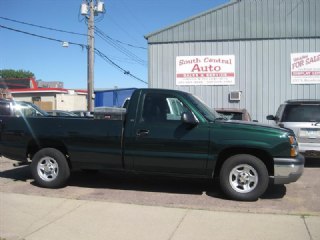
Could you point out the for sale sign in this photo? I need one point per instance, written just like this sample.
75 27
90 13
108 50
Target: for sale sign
205 70
305 68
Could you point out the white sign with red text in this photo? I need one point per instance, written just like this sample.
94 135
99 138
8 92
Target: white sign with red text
205 70
305 68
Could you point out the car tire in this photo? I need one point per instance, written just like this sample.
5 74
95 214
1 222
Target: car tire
50 168
244 177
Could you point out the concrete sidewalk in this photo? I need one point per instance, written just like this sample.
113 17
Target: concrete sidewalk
35 217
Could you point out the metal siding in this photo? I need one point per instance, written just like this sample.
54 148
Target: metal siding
219 25
207 30
242 23
287 19
282 21
249 19
316 18
236 16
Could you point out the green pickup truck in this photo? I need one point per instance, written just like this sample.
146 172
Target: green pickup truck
164 132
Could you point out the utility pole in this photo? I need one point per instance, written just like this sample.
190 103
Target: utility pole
90 71
89 9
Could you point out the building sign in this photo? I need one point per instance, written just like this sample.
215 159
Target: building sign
205 70
305 68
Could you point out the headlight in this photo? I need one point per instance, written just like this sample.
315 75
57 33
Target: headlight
294 146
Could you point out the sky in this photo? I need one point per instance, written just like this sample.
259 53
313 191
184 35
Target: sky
120 38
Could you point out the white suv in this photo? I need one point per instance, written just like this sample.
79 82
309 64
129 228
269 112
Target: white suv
303 117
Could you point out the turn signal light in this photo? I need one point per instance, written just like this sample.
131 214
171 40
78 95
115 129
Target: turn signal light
294 146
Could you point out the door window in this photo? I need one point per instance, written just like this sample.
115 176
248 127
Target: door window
161 107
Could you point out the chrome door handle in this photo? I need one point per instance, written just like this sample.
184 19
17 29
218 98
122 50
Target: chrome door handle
142 132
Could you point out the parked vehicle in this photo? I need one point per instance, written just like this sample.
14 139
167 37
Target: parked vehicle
61 113
303 117
164 132
19 109
234 114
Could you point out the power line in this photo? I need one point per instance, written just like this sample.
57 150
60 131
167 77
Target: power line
107 59
40 36
127 44
48 28
116 45
99 53
70 32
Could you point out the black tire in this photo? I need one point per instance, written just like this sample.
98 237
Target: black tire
50 168
244 177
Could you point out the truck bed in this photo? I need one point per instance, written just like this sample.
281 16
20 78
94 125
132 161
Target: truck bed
88 141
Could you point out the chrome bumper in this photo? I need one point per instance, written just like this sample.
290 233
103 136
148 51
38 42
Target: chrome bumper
287 170
310 150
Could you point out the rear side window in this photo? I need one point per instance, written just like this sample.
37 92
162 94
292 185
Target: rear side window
301 113
4 109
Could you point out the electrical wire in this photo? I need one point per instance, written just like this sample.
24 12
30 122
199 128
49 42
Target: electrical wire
128 44
98 52
117 46
118 41
40 36
107 59
64 31
48 28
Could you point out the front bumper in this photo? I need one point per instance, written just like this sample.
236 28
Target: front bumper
310 150
287 170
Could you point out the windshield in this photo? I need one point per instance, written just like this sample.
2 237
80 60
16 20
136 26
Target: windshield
206 111
302 113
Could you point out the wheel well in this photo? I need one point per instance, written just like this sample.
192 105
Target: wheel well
35 146
265 157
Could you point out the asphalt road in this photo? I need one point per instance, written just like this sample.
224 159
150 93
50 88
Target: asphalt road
301 197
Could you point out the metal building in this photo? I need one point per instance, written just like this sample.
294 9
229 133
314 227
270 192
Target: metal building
266 39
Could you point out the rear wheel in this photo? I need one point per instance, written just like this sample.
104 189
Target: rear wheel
244 177
50 168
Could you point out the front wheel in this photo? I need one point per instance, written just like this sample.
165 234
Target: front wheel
50 168
244 177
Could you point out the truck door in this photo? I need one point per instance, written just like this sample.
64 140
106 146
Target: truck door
161 142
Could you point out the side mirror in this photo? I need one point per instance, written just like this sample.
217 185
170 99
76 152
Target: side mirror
271 117
189 118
